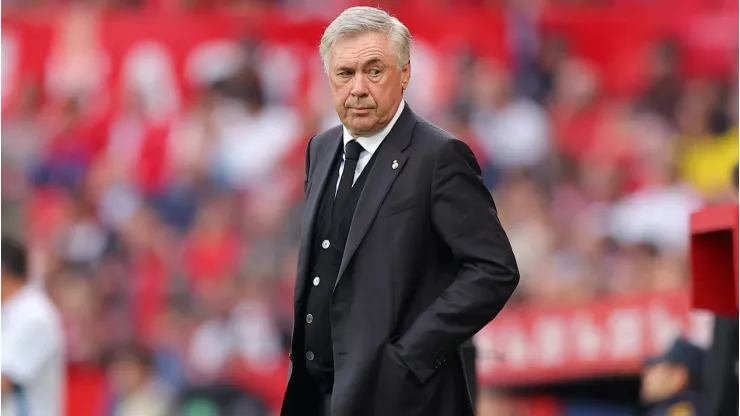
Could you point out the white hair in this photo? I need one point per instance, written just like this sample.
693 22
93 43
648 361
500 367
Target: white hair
360 20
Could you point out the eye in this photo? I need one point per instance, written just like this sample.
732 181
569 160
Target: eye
344 74
375 72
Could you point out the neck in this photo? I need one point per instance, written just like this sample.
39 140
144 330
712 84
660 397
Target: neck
10 288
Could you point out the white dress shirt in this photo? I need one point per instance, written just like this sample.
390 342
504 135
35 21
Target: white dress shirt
369 144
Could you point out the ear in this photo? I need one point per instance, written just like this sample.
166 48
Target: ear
406 75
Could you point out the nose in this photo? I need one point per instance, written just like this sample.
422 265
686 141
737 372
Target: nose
359 87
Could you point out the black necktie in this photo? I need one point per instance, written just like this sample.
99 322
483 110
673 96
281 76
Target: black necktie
352 152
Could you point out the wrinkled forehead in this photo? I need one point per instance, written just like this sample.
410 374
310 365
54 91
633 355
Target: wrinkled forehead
357 51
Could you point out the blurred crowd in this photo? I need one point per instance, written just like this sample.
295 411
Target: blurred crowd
319 6
179 233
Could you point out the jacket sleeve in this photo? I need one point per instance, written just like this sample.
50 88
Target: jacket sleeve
464 215
308 166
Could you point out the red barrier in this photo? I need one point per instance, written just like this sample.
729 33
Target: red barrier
608 336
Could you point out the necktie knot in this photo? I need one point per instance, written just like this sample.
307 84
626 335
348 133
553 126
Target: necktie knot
352 150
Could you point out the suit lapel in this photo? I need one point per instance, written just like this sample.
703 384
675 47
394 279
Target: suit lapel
388 165
322 176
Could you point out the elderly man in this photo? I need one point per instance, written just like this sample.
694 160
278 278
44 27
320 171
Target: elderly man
402 255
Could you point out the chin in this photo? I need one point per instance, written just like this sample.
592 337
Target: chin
359 128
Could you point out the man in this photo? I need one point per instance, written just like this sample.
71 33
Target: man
671 383
402 256
137 392
31 346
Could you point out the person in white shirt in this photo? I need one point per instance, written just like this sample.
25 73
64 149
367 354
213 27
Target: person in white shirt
31 346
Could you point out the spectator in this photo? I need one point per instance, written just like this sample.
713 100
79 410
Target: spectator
136 390
671 383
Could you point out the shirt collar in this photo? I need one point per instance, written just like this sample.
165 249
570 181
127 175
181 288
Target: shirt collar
371 143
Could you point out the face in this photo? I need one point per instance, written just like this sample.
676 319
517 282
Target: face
366 82
8 285
126 375
661 381
4 283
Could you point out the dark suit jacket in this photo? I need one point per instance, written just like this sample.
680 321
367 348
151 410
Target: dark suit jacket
426 265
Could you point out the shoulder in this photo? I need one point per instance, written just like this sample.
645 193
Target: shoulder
430 136
321 143
37 311
325 138
438 144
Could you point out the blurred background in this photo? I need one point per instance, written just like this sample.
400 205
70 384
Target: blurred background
153 160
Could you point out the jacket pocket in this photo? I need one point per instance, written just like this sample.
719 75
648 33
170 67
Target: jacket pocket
396 207
398 392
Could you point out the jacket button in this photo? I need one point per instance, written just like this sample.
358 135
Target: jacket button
316 280
309 318
309 356
325 244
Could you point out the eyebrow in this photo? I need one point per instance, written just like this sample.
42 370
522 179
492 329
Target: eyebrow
369 62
